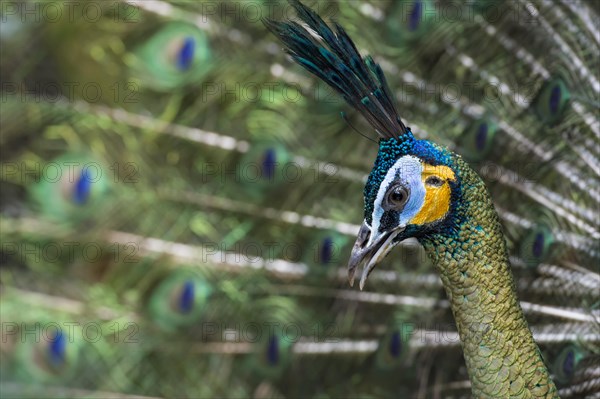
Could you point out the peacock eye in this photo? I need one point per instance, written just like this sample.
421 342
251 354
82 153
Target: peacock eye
434 181
396 198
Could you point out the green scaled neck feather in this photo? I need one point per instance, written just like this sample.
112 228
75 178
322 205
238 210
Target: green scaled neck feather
502 358
419 189
467 246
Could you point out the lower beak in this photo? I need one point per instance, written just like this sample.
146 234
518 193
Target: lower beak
369 252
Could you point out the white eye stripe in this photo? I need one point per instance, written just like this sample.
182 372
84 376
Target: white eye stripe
407 170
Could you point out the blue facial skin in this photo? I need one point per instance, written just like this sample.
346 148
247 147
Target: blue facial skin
390 150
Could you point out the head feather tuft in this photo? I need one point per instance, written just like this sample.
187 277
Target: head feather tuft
333 57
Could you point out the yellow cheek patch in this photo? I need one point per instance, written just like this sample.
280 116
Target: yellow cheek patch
437 199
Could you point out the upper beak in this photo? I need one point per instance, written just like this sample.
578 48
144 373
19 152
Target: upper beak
369 251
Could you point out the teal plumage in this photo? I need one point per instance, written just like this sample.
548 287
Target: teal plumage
510 86
360 82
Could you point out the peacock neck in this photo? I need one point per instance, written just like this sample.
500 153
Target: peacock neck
501 356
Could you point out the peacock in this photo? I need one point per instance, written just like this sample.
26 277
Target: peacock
180 201
419 189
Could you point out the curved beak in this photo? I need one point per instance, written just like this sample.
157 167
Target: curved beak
369 249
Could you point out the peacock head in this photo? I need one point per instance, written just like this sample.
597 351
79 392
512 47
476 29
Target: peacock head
412 190
414 187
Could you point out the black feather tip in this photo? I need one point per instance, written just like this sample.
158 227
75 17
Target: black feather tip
333 57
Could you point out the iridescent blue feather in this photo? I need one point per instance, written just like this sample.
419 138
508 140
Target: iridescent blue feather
333 57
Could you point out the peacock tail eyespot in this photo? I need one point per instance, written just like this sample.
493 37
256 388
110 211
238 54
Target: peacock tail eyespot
555 97
269 163
410 21
326 252
49 353
185 54
264 168
567 361
180 52
481 136
536 245
176 55
273 351
568 365
181 299
57 347
395 344
415 16
82 187
552 101
178 300
272 354
70 184
186 297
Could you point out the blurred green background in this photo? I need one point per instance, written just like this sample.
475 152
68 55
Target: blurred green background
179 201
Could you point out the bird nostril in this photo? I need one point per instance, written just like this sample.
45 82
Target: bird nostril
363 237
